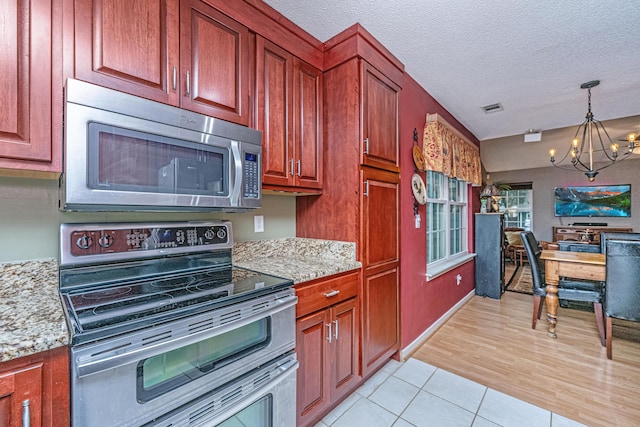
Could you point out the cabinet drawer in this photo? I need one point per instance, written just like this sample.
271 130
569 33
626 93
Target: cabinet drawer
314 296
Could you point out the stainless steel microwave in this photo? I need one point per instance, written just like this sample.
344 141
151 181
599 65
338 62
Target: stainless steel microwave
125 153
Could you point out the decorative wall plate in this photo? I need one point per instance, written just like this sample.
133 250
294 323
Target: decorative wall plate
419 190
418 159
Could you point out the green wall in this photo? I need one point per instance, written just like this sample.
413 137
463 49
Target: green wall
29 219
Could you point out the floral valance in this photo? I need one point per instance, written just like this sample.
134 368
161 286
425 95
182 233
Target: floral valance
446 150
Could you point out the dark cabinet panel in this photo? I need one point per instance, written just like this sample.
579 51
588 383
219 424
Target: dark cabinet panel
489 246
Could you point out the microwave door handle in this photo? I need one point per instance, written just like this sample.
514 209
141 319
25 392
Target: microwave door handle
237 176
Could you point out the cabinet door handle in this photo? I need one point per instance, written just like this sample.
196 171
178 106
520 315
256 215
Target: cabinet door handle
329 332
188 84
291 167
335 333
298 162
366 188
26 414
175 78
366 146
332 293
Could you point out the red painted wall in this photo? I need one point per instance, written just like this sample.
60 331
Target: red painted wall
422 302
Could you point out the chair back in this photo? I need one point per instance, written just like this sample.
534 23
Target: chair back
618 236
533 254
622 289
578 247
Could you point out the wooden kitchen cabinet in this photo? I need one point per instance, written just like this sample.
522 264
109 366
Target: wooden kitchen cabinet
180 52
35 388
379 119
381 293
360 196
327 344
289 106
30 101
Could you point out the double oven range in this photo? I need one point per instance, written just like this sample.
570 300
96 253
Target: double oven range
166 332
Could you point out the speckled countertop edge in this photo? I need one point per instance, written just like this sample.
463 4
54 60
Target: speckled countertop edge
31 312
299 259
31 316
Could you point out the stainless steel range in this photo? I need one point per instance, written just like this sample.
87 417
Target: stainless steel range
165 331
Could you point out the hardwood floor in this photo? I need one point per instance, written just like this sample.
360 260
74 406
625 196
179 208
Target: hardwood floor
491 342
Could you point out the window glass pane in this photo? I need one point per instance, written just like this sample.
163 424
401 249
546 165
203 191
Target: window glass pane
434 185
518 207
436 233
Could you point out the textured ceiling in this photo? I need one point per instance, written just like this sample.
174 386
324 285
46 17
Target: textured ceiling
530 56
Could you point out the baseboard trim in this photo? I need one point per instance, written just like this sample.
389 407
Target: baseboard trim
406 352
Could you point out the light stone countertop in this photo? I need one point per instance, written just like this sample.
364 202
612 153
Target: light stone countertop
31 312
296 258
31 315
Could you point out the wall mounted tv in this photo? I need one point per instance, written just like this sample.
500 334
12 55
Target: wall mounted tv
593 201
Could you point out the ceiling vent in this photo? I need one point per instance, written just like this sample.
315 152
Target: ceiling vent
492 108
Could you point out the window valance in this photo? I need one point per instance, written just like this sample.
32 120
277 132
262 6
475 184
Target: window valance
446 150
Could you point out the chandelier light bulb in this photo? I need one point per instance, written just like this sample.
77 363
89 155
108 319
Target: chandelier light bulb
632 137
552 153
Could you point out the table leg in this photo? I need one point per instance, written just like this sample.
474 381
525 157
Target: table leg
552 308
552 279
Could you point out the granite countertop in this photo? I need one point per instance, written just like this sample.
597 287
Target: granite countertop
296 258
31 316
31 312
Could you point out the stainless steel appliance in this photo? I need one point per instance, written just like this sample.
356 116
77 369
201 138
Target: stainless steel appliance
165 331
123 152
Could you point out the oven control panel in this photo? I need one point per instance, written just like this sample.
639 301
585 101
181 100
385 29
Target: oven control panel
82 240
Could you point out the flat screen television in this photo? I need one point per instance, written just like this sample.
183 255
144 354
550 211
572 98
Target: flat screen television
593 201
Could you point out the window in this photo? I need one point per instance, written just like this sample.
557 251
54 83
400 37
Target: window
446 218
517 205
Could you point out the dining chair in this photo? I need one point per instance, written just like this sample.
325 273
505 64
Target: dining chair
568 289
618 236
622 299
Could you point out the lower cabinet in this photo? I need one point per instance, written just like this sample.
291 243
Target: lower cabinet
327 344
34 390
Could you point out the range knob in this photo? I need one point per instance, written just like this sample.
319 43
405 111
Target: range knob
105 241
84 242
209 234
222 233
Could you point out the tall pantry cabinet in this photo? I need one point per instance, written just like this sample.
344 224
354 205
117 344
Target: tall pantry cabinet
360 200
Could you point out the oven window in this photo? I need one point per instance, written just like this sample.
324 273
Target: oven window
126 160
258 414
167 371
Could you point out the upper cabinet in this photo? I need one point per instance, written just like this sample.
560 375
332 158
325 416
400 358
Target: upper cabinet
183 53
30 108
379 119
289 113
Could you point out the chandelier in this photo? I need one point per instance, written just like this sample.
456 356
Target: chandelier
590 138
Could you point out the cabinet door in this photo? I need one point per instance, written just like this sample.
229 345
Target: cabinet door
379 119
345 353
129 46
274 85
17 388
27 45
380 219
381 329
307 111
214 62
312 346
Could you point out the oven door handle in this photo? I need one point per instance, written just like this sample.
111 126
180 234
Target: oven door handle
109 360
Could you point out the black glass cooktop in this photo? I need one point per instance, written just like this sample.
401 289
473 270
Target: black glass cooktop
105 309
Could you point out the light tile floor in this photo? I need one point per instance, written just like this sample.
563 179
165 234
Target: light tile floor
415 393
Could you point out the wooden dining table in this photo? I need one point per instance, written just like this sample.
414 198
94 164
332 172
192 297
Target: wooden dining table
575 265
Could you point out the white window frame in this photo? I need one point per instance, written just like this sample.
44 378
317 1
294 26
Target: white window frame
509 208
449 261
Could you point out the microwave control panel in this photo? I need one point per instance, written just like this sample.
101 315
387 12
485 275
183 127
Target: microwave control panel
251 176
